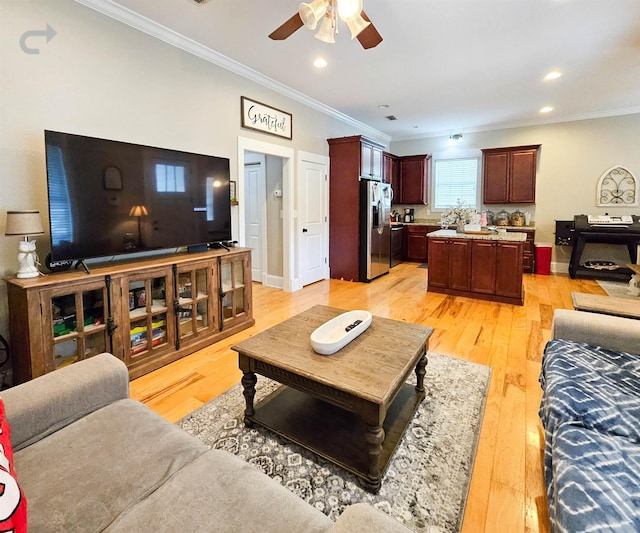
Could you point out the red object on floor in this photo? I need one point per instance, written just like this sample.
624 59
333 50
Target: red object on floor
543 258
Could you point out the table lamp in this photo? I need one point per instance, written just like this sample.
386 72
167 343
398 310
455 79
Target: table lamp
139 211
25 223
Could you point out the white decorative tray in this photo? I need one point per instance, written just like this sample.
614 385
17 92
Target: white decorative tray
339 331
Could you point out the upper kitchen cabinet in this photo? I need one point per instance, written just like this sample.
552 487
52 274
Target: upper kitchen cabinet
391 174
414 176
371 160
510 175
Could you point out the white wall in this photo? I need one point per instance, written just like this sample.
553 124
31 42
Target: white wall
572 158
101 78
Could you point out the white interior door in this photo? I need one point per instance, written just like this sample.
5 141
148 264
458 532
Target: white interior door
255 216
313 223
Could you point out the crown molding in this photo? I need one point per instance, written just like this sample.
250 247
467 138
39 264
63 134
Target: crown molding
522 124
148 26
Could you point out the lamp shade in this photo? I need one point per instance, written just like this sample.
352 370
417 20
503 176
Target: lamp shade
326 31
357 25
138 211
312 12
23 223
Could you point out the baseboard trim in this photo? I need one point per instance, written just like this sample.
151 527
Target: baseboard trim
273 281
559 268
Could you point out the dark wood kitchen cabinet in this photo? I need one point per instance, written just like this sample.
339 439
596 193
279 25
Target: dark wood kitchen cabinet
460 264
438 272
346 166
483 256
485 269
510 175
495 264
509 269
391 174
528 257
450 263
416 243
414 176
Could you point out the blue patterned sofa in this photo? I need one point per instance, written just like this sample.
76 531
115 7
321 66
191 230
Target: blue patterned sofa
590 411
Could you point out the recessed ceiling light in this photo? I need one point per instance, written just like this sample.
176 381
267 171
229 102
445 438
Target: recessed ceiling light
546 109
383 106
553 75
320 62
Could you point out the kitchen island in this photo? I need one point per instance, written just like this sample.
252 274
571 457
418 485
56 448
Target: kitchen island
487 266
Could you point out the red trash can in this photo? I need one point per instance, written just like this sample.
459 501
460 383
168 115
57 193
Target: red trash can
543 258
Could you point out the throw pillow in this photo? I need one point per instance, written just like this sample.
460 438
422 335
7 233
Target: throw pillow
13 505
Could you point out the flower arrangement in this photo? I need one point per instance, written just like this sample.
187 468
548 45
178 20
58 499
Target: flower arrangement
458 213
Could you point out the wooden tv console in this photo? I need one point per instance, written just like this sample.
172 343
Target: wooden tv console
147 313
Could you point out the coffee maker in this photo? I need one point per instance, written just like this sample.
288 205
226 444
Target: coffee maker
408 214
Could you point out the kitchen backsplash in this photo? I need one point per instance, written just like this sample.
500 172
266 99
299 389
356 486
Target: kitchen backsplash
424 212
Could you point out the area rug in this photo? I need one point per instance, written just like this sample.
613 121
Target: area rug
427 481
619 289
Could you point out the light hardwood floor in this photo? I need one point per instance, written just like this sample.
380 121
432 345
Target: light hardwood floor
507 491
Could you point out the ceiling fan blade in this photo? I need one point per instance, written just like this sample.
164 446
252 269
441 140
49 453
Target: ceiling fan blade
369 37
287 29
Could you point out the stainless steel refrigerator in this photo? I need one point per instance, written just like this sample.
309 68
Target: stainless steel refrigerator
375 229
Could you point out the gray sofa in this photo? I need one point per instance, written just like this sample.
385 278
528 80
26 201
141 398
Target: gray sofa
590 411
90 459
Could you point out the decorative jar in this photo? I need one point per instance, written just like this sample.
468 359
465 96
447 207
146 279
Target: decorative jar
501 218
517 218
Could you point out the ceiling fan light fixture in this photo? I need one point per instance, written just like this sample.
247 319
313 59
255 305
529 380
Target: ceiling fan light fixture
356 26
349 10
327 30
312 12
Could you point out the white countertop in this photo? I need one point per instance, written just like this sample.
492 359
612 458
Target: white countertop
513 236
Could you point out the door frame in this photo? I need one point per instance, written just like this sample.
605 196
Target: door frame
321 160
291 281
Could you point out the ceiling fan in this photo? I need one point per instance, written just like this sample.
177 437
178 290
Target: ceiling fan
327 12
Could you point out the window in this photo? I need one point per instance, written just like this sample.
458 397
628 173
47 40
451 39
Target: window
169 178
455 178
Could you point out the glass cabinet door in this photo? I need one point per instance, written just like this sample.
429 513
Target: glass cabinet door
75 323
195 308
234 290
149 328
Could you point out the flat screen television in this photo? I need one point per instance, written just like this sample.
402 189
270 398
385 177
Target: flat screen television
109 197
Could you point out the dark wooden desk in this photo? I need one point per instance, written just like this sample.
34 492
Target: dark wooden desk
628 236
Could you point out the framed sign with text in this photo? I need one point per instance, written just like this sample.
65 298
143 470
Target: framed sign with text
261 117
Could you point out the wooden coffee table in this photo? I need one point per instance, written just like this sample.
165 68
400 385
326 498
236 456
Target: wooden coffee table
351 407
